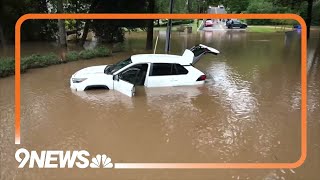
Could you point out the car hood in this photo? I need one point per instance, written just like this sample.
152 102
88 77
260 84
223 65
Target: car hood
90 70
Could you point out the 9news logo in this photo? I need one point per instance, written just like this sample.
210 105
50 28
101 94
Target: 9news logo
61 159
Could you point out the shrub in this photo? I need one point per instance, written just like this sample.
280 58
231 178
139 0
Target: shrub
72 56
102 51
37 61
86 54
117 47
176 22
7 65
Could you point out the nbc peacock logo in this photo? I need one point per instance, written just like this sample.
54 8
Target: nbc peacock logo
101 160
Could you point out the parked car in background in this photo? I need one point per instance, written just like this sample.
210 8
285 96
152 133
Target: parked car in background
208 23
150 70
235 24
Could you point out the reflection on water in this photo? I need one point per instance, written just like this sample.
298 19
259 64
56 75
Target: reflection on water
248 111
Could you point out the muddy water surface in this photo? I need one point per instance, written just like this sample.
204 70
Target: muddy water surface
248 111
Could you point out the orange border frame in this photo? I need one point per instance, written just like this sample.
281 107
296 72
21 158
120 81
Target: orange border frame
180 16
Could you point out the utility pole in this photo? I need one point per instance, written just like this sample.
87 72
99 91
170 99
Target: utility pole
168 33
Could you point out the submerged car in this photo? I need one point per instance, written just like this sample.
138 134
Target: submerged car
150 70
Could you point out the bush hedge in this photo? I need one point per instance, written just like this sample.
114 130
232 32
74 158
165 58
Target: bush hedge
176 22
7 65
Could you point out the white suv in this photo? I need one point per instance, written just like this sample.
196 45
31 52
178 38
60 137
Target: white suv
150 70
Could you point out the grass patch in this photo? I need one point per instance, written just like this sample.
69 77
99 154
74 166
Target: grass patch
268 29
7 65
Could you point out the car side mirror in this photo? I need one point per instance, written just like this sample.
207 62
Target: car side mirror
116 77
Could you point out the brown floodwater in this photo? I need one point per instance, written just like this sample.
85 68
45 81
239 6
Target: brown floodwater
247 111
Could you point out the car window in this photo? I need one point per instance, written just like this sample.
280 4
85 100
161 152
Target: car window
180 69
115 67
130 75
166 69
162 69
197 51
135 74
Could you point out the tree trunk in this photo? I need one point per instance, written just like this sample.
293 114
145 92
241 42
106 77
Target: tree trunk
61 26
149 42
188 6
77 22
2 36
85 32
88 23
3 41
309 17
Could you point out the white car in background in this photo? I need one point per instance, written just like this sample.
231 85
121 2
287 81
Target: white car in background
150 70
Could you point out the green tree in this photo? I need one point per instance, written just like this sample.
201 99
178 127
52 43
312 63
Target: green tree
235 6
113 30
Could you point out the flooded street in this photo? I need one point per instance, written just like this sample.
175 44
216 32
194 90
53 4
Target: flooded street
248 111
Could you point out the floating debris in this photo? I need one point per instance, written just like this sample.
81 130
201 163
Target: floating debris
292 171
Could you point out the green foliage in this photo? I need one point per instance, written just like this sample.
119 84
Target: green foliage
37 61
181 6
72 56
235 6
11 10
108 33
316 14
260 6
70 24
111 31
86 54
280 6
97 52
102 51
118 47
176 22
7 65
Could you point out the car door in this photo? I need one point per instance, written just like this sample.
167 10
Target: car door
198 51
236 24
161 75
167 74
124 82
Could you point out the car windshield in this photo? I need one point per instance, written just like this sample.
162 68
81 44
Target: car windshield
115 67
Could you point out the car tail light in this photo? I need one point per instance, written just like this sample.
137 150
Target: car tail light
202 78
